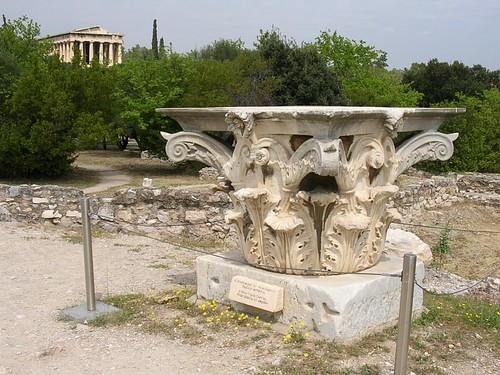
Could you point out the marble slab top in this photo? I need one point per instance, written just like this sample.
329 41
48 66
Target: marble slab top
316 121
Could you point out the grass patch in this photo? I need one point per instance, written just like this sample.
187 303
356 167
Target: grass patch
77 178
162 266
454 329
74 238
461 313
132 307
164 174
208 245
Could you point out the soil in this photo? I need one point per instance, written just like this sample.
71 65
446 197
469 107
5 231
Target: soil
41 273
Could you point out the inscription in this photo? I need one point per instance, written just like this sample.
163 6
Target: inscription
256 293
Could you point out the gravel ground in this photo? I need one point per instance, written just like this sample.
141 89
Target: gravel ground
41 272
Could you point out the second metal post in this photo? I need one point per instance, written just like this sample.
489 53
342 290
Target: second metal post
87 253
405 311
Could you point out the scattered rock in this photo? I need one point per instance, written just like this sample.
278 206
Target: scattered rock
399 242
51 214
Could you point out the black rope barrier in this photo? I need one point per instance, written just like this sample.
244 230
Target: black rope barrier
305 272
163 225
450 228
459 290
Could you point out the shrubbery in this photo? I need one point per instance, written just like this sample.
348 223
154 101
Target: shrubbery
49 109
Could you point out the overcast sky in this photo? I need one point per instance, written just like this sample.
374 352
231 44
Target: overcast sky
408 30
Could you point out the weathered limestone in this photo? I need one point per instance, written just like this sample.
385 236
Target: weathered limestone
92 42
340 307
310 185
400 242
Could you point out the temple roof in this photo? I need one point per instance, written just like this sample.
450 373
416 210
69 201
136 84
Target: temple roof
92 29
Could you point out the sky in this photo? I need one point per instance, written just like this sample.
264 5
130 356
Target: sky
408 30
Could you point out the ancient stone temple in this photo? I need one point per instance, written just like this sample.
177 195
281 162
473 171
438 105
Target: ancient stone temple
92 42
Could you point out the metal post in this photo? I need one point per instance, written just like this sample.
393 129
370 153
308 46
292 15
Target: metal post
405 310
87 253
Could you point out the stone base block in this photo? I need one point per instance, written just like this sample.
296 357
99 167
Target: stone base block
341 307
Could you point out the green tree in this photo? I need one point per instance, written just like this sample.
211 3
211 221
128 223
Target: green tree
300 75
18 46
37 111
208 83
220 50
477 149
361 70
38 136
93 87
144 84
441 81
162 50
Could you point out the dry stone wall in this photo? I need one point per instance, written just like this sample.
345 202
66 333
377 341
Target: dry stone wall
200 214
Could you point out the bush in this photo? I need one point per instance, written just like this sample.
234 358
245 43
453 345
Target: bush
477 147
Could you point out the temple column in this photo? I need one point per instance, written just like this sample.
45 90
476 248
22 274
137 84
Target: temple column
91 52
119 54
80 47
65 52
71 50
101 53
112 57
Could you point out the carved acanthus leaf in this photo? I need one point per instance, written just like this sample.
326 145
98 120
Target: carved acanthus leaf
197 146
425 146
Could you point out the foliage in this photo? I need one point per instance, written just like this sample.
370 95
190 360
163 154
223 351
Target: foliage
300 75
208 83
92 87
477 148
18 47
38 138
441 81
154 42
144 84
443 246
361 70
220 50
48 109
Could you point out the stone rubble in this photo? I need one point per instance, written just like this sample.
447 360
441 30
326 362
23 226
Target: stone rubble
201 213
441 282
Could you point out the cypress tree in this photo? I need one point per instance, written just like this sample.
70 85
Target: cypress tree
154 42
162 49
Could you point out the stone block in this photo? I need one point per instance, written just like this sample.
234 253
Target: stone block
14 191
196 216
340 307
40 200
51 214
399 242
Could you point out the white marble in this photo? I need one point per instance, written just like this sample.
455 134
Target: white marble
310 185
341 307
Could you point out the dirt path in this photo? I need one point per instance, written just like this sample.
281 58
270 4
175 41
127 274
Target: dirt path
108 178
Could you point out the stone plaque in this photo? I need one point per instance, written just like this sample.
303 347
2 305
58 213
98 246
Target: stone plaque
257 294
